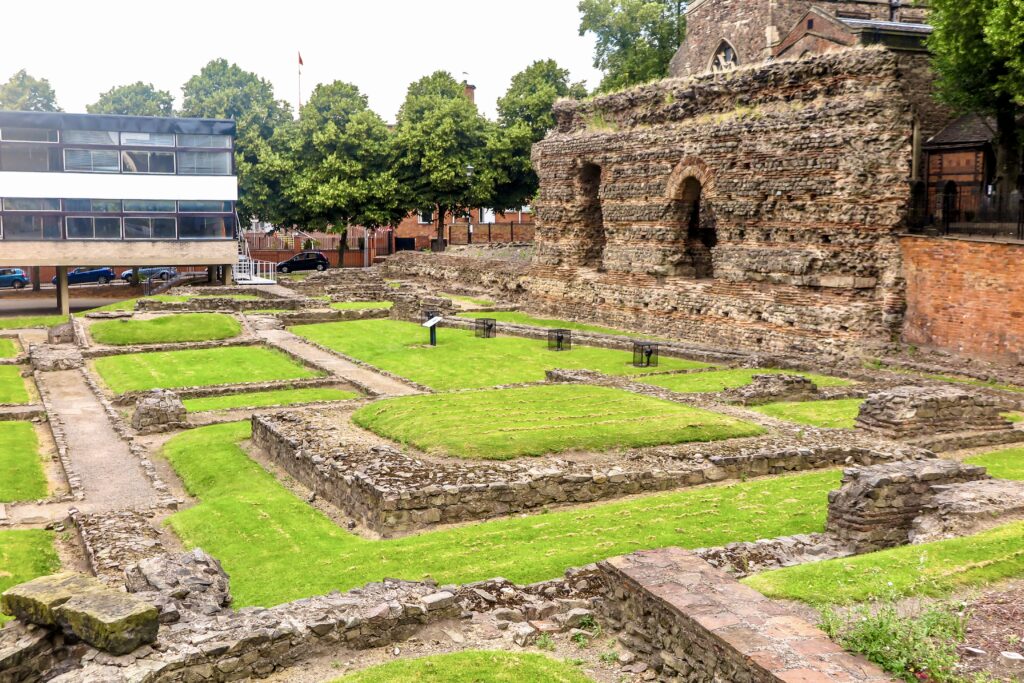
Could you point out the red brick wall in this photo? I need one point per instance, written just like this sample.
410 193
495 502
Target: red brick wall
965 296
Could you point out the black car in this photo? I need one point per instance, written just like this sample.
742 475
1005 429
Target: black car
307 260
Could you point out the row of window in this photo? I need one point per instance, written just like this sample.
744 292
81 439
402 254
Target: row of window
108 138
486 215
22 157
115 205
36 227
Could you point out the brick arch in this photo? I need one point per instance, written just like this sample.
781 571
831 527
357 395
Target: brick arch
690 217
690 167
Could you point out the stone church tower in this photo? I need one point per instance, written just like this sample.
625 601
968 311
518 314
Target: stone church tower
724 34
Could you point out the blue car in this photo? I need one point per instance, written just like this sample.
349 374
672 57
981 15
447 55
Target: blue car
13 277
164 273
81 276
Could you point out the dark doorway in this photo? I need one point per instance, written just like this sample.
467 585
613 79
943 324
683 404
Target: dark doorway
591 215
695 231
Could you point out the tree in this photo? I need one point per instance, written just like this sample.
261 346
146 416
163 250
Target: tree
27 93
137 99
978 52
636 39
223 90
532 95
439 141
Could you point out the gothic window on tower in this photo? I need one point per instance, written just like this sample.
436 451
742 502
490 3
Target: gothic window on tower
725 58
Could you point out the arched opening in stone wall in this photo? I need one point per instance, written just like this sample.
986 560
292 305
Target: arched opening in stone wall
592 232
725 58
695 231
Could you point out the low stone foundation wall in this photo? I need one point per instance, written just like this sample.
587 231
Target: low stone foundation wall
391 492
504 278
312 317
969 508
912 412
692 622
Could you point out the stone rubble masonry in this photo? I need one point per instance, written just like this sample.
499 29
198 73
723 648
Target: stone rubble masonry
506 279
392 492
26 651
412 306
910 412
114 541
967 509
692 622
875 507
46 358
745 558
772 388
159 411
965 296
803 168
61 334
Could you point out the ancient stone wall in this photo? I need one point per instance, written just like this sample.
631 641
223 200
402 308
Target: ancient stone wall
758 208
965 296
501 276
912 412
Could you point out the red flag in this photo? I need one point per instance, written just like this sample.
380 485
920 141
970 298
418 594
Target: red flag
300 60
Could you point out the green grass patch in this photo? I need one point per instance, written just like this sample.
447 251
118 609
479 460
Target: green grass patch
168 329
461 360
26 322
471 666
260 399
21 469
472 301
361 305
394 284
519 318
955 379
12 386
1005 464
930 569
836 414
259 529
508 423
720 380
198 367
1014 417
8 348
25 555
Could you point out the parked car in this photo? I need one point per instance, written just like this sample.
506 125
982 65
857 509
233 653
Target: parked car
13 277
155 273
307 260
80 276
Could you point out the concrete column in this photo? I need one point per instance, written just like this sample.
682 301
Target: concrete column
229 274
36 284
135 276
210 270
63 295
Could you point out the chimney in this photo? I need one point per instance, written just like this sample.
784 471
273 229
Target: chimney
470 92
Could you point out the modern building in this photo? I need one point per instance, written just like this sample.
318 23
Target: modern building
128 191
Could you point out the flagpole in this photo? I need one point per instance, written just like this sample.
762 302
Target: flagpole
300 80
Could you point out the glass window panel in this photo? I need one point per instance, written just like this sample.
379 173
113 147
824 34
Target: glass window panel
212 141
147 139
29 134
161 162
165 228
27 227
108 228
80 228
19 204
90 137
138 228
204 163
148 162
93 205
204 207
148 206
205 228
91 160
29 158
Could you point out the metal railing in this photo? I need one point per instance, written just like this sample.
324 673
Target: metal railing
961 211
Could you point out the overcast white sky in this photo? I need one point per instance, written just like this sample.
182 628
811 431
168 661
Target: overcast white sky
84 47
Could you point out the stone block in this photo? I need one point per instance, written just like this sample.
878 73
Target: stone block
157 411
45 358
109 620
37 600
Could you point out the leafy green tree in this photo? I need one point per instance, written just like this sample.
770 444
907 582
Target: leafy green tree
978 52
636 39
23 92
532 96
440 141
136 99
223 90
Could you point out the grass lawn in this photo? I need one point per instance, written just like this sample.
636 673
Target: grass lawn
519 318
471 666
260 399
460 360
29 321
468 300
198 367
21 470
508 423
956 379
25 555
932 569
836 414
168 329
360 305
277 548
1014 417
1006 464
12 386
8 349
720 380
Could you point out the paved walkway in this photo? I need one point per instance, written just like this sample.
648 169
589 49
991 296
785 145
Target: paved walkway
339 367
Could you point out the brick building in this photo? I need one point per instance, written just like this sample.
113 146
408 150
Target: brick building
481 226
